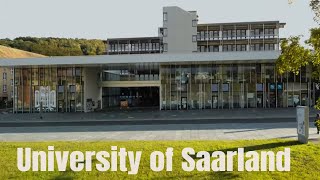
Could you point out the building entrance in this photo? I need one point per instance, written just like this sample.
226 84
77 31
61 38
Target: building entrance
132 96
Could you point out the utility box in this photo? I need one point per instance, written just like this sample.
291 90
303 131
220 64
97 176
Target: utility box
303 124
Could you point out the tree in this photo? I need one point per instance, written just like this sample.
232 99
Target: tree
315 6
294 56
57 46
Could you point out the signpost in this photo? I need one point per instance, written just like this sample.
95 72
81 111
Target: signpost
303 124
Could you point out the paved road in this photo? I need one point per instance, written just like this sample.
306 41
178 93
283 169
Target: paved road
153 125
228 131
152 117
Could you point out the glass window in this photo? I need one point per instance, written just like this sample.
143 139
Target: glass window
215 87
165 32
257 33
259 87
72 88
225 34
216 49
143 47
194 38
4 76
234 34
206 35
194 23
243 47
202 35
4 88
165 47
225 87
216 35
229 34
165 16
211 49
243 33
238 47
211 35
238 33
60 89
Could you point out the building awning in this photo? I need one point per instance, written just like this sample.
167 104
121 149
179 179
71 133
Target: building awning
248 56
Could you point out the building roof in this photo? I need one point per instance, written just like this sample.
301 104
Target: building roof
221 57
7 52
241 23
133 38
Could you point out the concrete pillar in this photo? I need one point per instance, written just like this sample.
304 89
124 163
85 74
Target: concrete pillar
92 91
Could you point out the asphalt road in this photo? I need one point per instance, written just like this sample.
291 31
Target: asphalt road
145 122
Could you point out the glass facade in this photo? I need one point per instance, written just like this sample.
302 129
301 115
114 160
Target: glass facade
206 85
227 86
132 72
58 89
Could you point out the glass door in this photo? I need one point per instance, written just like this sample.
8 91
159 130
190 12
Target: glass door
184 103
215 98
242 96
60 106
72 106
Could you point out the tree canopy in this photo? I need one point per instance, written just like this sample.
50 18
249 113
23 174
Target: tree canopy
315 6
57 46
295 55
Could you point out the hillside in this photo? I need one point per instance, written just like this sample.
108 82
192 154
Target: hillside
57 46
6 52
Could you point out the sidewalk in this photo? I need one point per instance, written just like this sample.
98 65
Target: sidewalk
161 117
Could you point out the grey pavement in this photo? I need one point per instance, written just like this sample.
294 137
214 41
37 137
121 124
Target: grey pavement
230 131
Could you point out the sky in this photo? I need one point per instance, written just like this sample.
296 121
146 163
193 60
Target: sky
102 19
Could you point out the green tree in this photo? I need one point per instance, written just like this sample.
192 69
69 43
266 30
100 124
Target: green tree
294 56
57 46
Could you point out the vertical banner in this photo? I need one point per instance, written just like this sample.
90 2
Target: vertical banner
303 124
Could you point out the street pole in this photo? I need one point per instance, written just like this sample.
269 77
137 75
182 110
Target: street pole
41 110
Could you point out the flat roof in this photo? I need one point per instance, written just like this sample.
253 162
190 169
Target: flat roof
251 56
241 23
133 38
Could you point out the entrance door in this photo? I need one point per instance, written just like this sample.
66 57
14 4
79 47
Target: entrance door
72 106
215 98
304 99
60 106
259 99
184 103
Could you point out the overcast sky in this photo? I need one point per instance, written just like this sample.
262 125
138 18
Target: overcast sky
102 19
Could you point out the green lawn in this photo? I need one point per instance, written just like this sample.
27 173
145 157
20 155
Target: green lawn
305 159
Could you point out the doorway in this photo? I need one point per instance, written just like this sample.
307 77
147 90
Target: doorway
184 103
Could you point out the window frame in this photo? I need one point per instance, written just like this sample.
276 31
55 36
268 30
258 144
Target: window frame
194 38
165 16
4 88
194 23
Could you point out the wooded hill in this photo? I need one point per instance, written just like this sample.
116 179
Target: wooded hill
57 46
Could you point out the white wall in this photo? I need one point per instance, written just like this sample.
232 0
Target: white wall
180 30
91 88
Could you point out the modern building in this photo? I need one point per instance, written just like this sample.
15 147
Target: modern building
187 66
6 73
